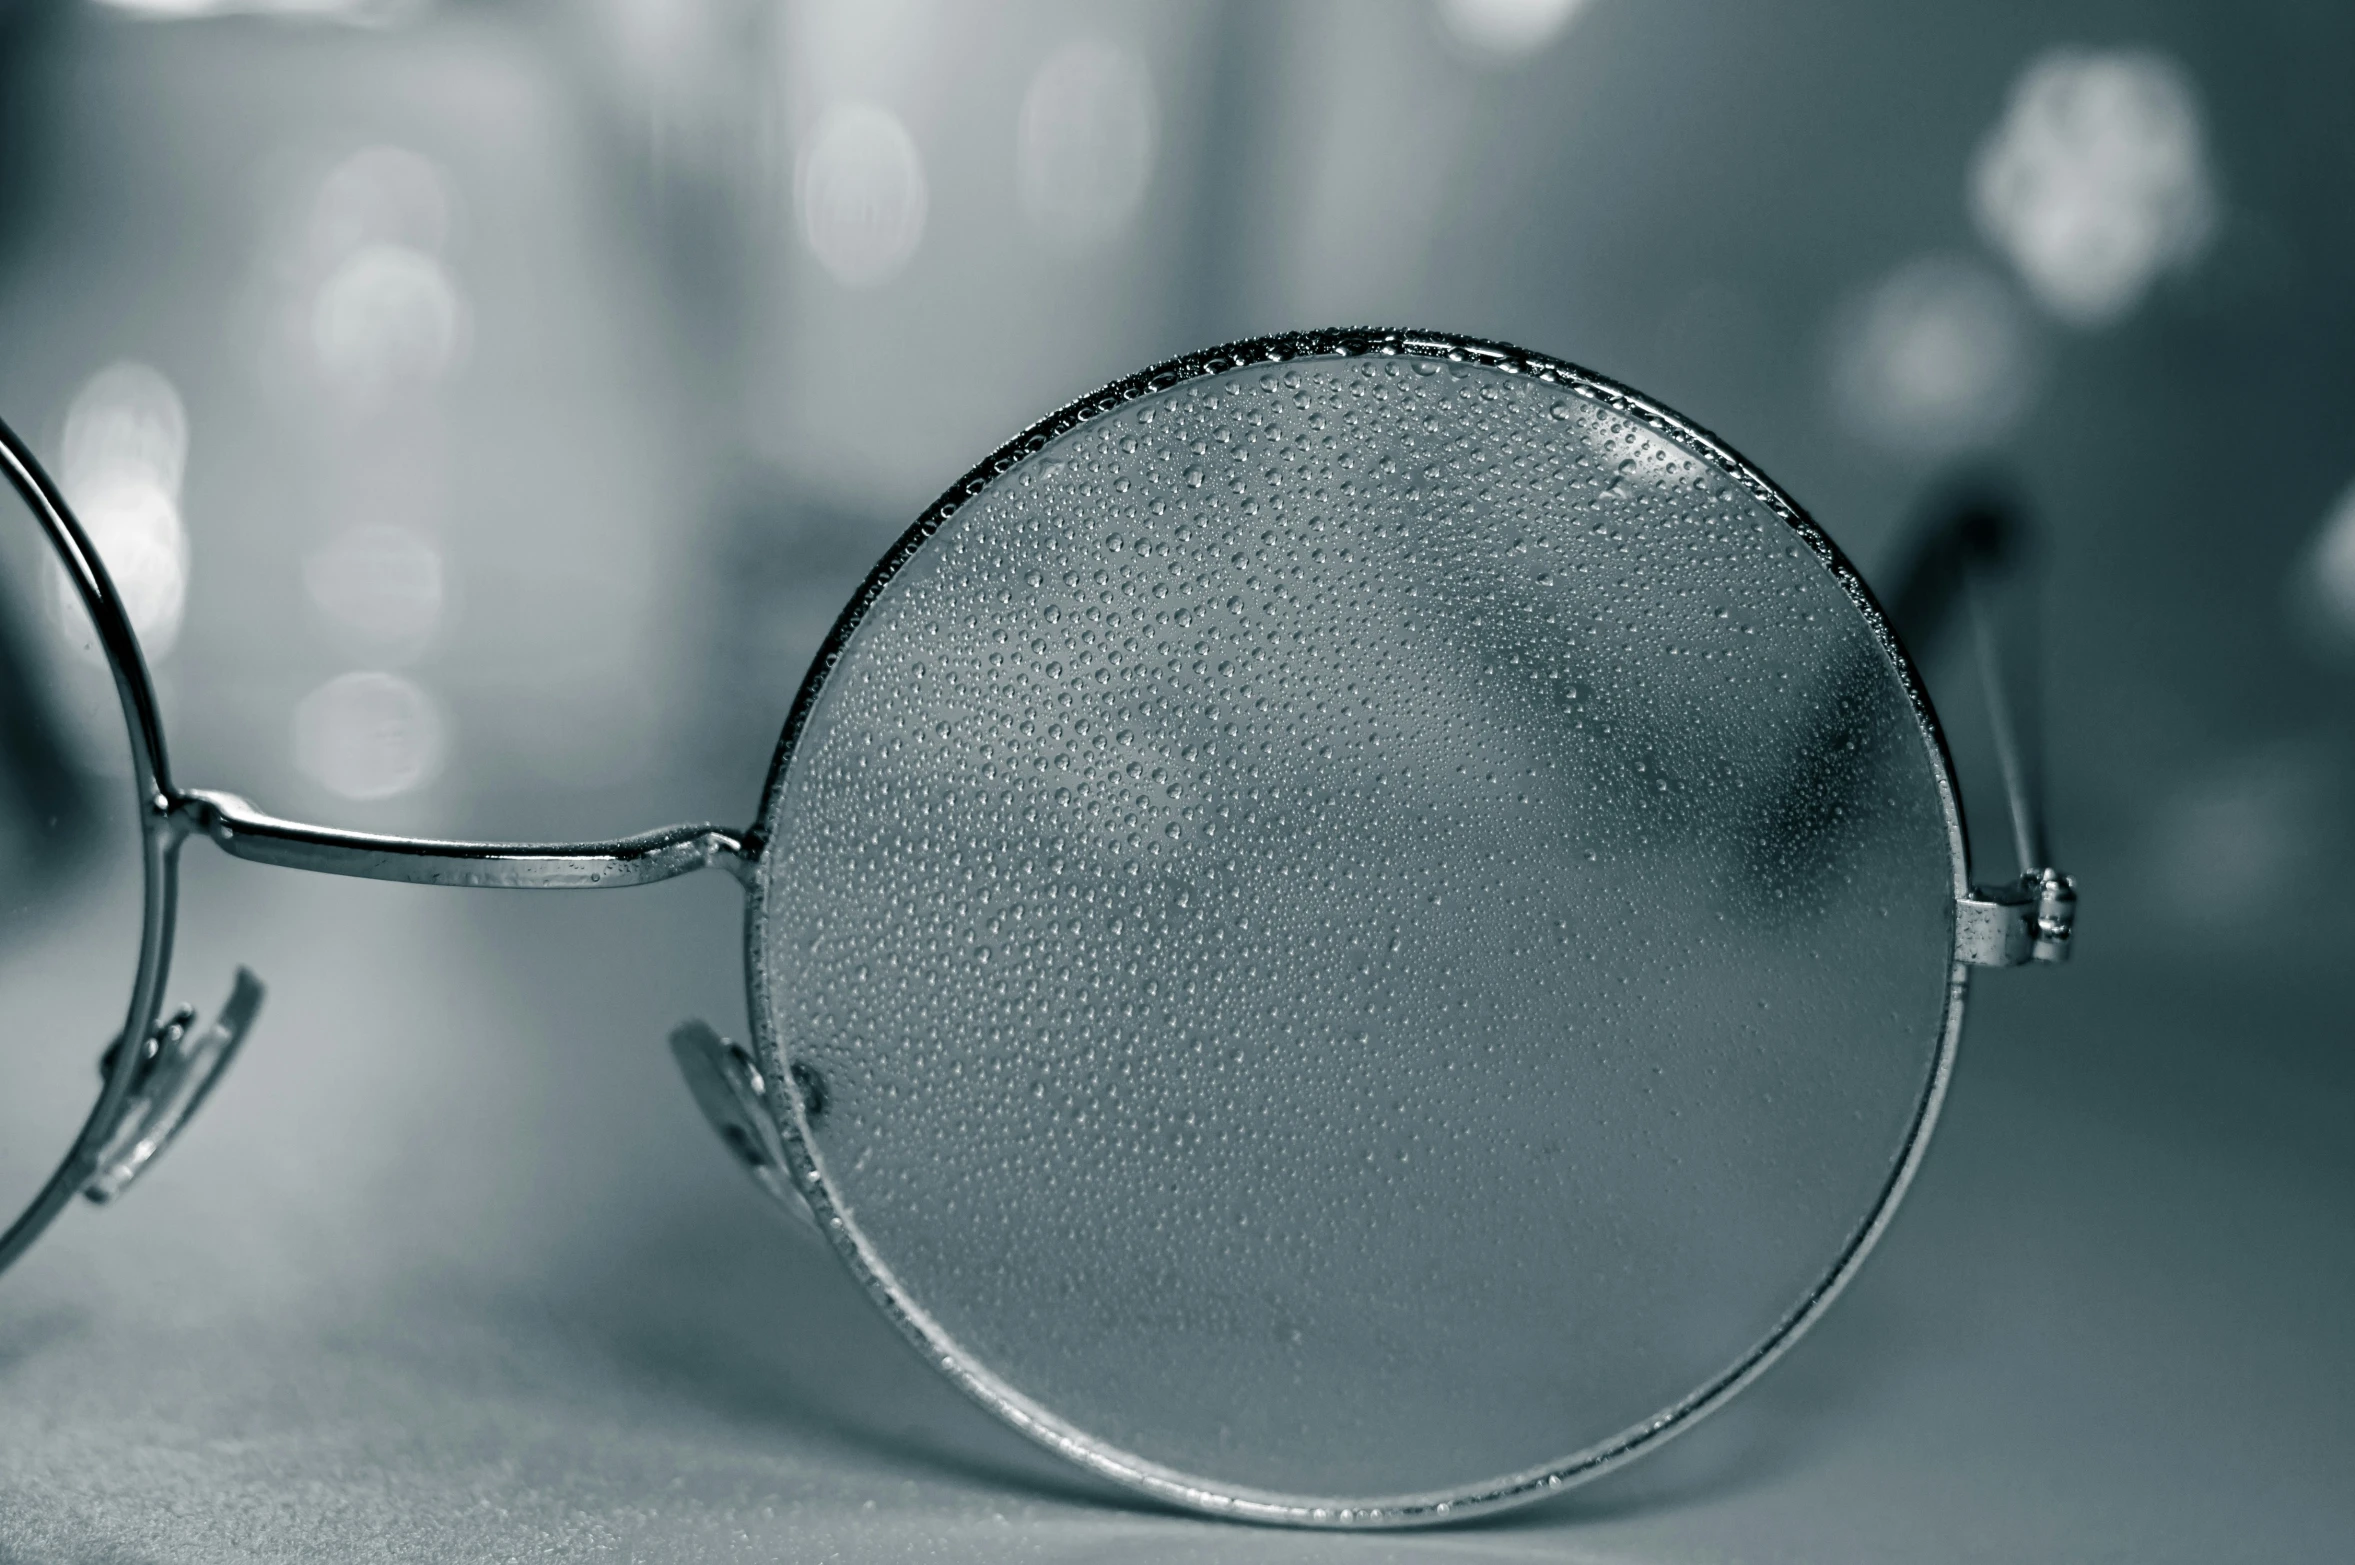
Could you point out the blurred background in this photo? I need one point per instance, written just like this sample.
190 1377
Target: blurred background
487 408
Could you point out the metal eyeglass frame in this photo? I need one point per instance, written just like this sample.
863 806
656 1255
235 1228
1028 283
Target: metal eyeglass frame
148 1093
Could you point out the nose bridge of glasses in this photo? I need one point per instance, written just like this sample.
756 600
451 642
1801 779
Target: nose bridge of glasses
728 1087
246 833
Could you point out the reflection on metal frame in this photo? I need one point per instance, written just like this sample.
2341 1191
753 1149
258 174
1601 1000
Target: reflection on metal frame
244 832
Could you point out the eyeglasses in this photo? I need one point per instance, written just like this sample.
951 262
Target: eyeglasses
1352 930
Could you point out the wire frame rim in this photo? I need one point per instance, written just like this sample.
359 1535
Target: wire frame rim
1169 1484
159 836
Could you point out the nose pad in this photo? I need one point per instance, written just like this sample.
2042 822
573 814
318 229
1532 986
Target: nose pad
728 1087
176 1069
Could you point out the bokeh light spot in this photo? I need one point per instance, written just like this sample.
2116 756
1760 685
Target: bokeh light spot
370 735
1936 359
388 315
2096 180
124 452
2324 588
380 195
381 586
1506 29
126 424
861 192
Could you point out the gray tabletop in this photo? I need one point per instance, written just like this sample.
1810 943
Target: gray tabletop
452 1271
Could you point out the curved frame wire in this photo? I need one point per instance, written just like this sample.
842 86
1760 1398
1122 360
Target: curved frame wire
168 816
159 830
1169 1484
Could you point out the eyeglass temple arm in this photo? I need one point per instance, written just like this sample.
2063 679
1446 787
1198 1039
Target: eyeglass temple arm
246 833
1978 563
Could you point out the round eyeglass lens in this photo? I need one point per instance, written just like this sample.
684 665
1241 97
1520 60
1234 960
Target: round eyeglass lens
72 882
1360 932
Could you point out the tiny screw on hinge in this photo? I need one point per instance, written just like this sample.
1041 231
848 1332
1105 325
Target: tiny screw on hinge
2056 915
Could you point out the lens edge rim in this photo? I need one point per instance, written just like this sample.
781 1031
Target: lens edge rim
1158 1480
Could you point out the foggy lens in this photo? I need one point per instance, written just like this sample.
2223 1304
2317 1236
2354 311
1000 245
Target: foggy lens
1365 926
71 885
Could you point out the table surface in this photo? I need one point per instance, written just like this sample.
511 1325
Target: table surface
450 1270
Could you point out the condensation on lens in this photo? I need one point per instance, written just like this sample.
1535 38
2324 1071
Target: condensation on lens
1370 925
71 886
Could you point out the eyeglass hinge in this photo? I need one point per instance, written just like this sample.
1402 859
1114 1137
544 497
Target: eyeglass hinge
2031 920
